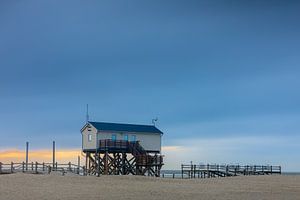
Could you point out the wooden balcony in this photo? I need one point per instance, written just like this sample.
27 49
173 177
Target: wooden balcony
122 146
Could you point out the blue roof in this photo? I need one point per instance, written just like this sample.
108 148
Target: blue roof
104 126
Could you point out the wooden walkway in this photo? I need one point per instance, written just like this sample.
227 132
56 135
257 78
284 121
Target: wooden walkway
209 171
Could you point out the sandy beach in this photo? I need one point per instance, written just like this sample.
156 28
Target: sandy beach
27 186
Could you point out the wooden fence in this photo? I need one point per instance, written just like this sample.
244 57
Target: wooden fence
210 171
38 168
187 171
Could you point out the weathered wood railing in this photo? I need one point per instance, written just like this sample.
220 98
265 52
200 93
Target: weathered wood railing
208 171
35 167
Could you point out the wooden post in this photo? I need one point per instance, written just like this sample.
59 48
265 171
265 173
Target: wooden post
123 163
208 174
78 167
271 169
70 167
43 166
56 166
23 167
36 167
182 171
12 167
106 163
227 170
86 163
235 170
49 169
89 164
83 170
98 165
27 147
53 153
0 167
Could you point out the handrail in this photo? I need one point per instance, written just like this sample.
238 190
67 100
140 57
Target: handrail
228 170
36 167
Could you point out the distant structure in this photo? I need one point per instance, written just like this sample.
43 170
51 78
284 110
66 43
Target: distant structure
114 148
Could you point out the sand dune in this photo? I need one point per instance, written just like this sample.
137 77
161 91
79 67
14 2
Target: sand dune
26 186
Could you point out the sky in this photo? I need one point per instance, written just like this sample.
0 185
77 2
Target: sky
221 76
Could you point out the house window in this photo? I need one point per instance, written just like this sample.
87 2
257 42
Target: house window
114 137
89 137
125 137
133 138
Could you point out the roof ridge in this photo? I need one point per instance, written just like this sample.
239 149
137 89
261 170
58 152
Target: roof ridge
123 123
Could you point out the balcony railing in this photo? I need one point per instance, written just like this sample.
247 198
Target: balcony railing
117 144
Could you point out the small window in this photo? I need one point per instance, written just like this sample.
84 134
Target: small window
89 137
114 137
133 138
125 137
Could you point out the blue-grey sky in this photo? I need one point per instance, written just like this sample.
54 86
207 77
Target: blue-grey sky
218 74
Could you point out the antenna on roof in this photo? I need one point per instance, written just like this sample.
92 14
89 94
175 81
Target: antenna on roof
154 121
87 113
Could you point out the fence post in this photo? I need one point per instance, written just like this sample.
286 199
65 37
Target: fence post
279 169
36 167
43 166
173 176
271 169
31 166
0 167
182 171
12 167
78 163
227 170
235 169
208 175
49 169
70 167
23 167
83 169
56 166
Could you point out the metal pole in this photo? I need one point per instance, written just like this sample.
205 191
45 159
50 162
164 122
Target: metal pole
53 156
27 147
